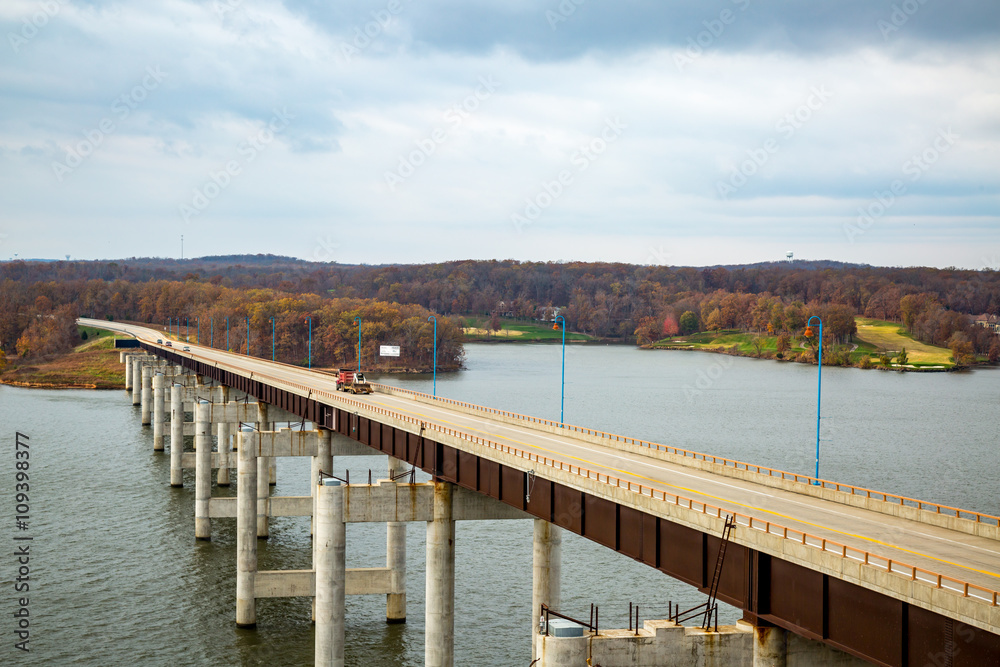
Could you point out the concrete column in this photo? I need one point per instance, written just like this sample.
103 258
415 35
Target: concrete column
202 470
136 380
439 632
127 359
159 395
546 566
263 497
146 396
272 465
263 477
176 435
331 575
246 535
395 558
770 646
222 478
323 461
572 652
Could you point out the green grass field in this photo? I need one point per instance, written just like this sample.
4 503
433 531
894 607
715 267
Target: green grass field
893 337
515 331
873 338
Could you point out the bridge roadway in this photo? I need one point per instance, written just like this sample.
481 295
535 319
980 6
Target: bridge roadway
959 555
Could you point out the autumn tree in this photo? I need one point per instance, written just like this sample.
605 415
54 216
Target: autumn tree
688 322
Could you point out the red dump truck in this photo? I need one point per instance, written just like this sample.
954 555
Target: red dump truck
353 381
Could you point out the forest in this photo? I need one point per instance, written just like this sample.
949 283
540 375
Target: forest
608 300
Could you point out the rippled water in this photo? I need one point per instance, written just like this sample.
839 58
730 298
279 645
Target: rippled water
118 578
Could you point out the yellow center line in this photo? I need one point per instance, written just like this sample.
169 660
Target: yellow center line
695 491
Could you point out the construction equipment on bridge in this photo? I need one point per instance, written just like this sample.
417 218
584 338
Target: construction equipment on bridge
353 381
708 610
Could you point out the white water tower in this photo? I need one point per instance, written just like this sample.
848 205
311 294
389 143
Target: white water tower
789 255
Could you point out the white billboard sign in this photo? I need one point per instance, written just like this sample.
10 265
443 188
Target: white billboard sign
388 350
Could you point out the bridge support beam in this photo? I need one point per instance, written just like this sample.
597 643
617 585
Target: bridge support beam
770 646
263 478
331 574
246 537
225 448
127 360
546 573
176 436
136 363
395 558
159 396
439 637
146 396
203 471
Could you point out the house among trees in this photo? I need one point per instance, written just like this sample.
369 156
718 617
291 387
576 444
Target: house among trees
548 313
991 322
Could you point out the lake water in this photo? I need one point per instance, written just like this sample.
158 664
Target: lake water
117 577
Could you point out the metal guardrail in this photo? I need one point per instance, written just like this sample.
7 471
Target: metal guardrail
978 517
888 565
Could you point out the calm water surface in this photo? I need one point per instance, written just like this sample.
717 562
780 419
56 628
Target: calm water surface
117 577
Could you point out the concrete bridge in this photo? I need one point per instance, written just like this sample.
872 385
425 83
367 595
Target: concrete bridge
825 573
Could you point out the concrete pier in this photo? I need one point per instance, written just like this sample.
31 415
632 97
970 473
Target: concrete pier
176 436
136 363
546 566
263 497
770 647
395 557
439 636
203 471
146 396
224 448
246 537
331 574
159 400
126 359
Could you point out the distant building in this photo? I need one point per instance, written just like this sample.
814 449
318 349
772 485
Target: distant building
991 322
548 313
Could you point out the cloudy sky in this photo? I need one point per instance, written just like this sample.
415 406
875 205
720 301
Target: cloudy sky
682 132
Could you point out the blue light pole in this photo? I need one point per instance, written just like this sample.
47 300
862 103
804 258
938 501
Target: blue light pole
198 320
562 384
227 334
211 328
819 389
187 324
310 319
358 320
272 339
434 319
248 336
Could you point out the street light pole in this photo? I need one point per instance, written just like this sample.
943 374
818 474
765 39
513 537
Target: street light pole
211 329
198 320
227 334
434 319
187 325
819 389
248 336
310 341
358 320
272 339
562 384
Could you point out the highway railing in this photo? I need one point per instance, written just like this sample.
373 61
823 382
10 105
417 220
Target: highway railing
895 499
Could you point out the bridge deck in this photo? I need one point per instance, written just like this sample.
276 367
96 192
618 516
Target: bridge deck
959 555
